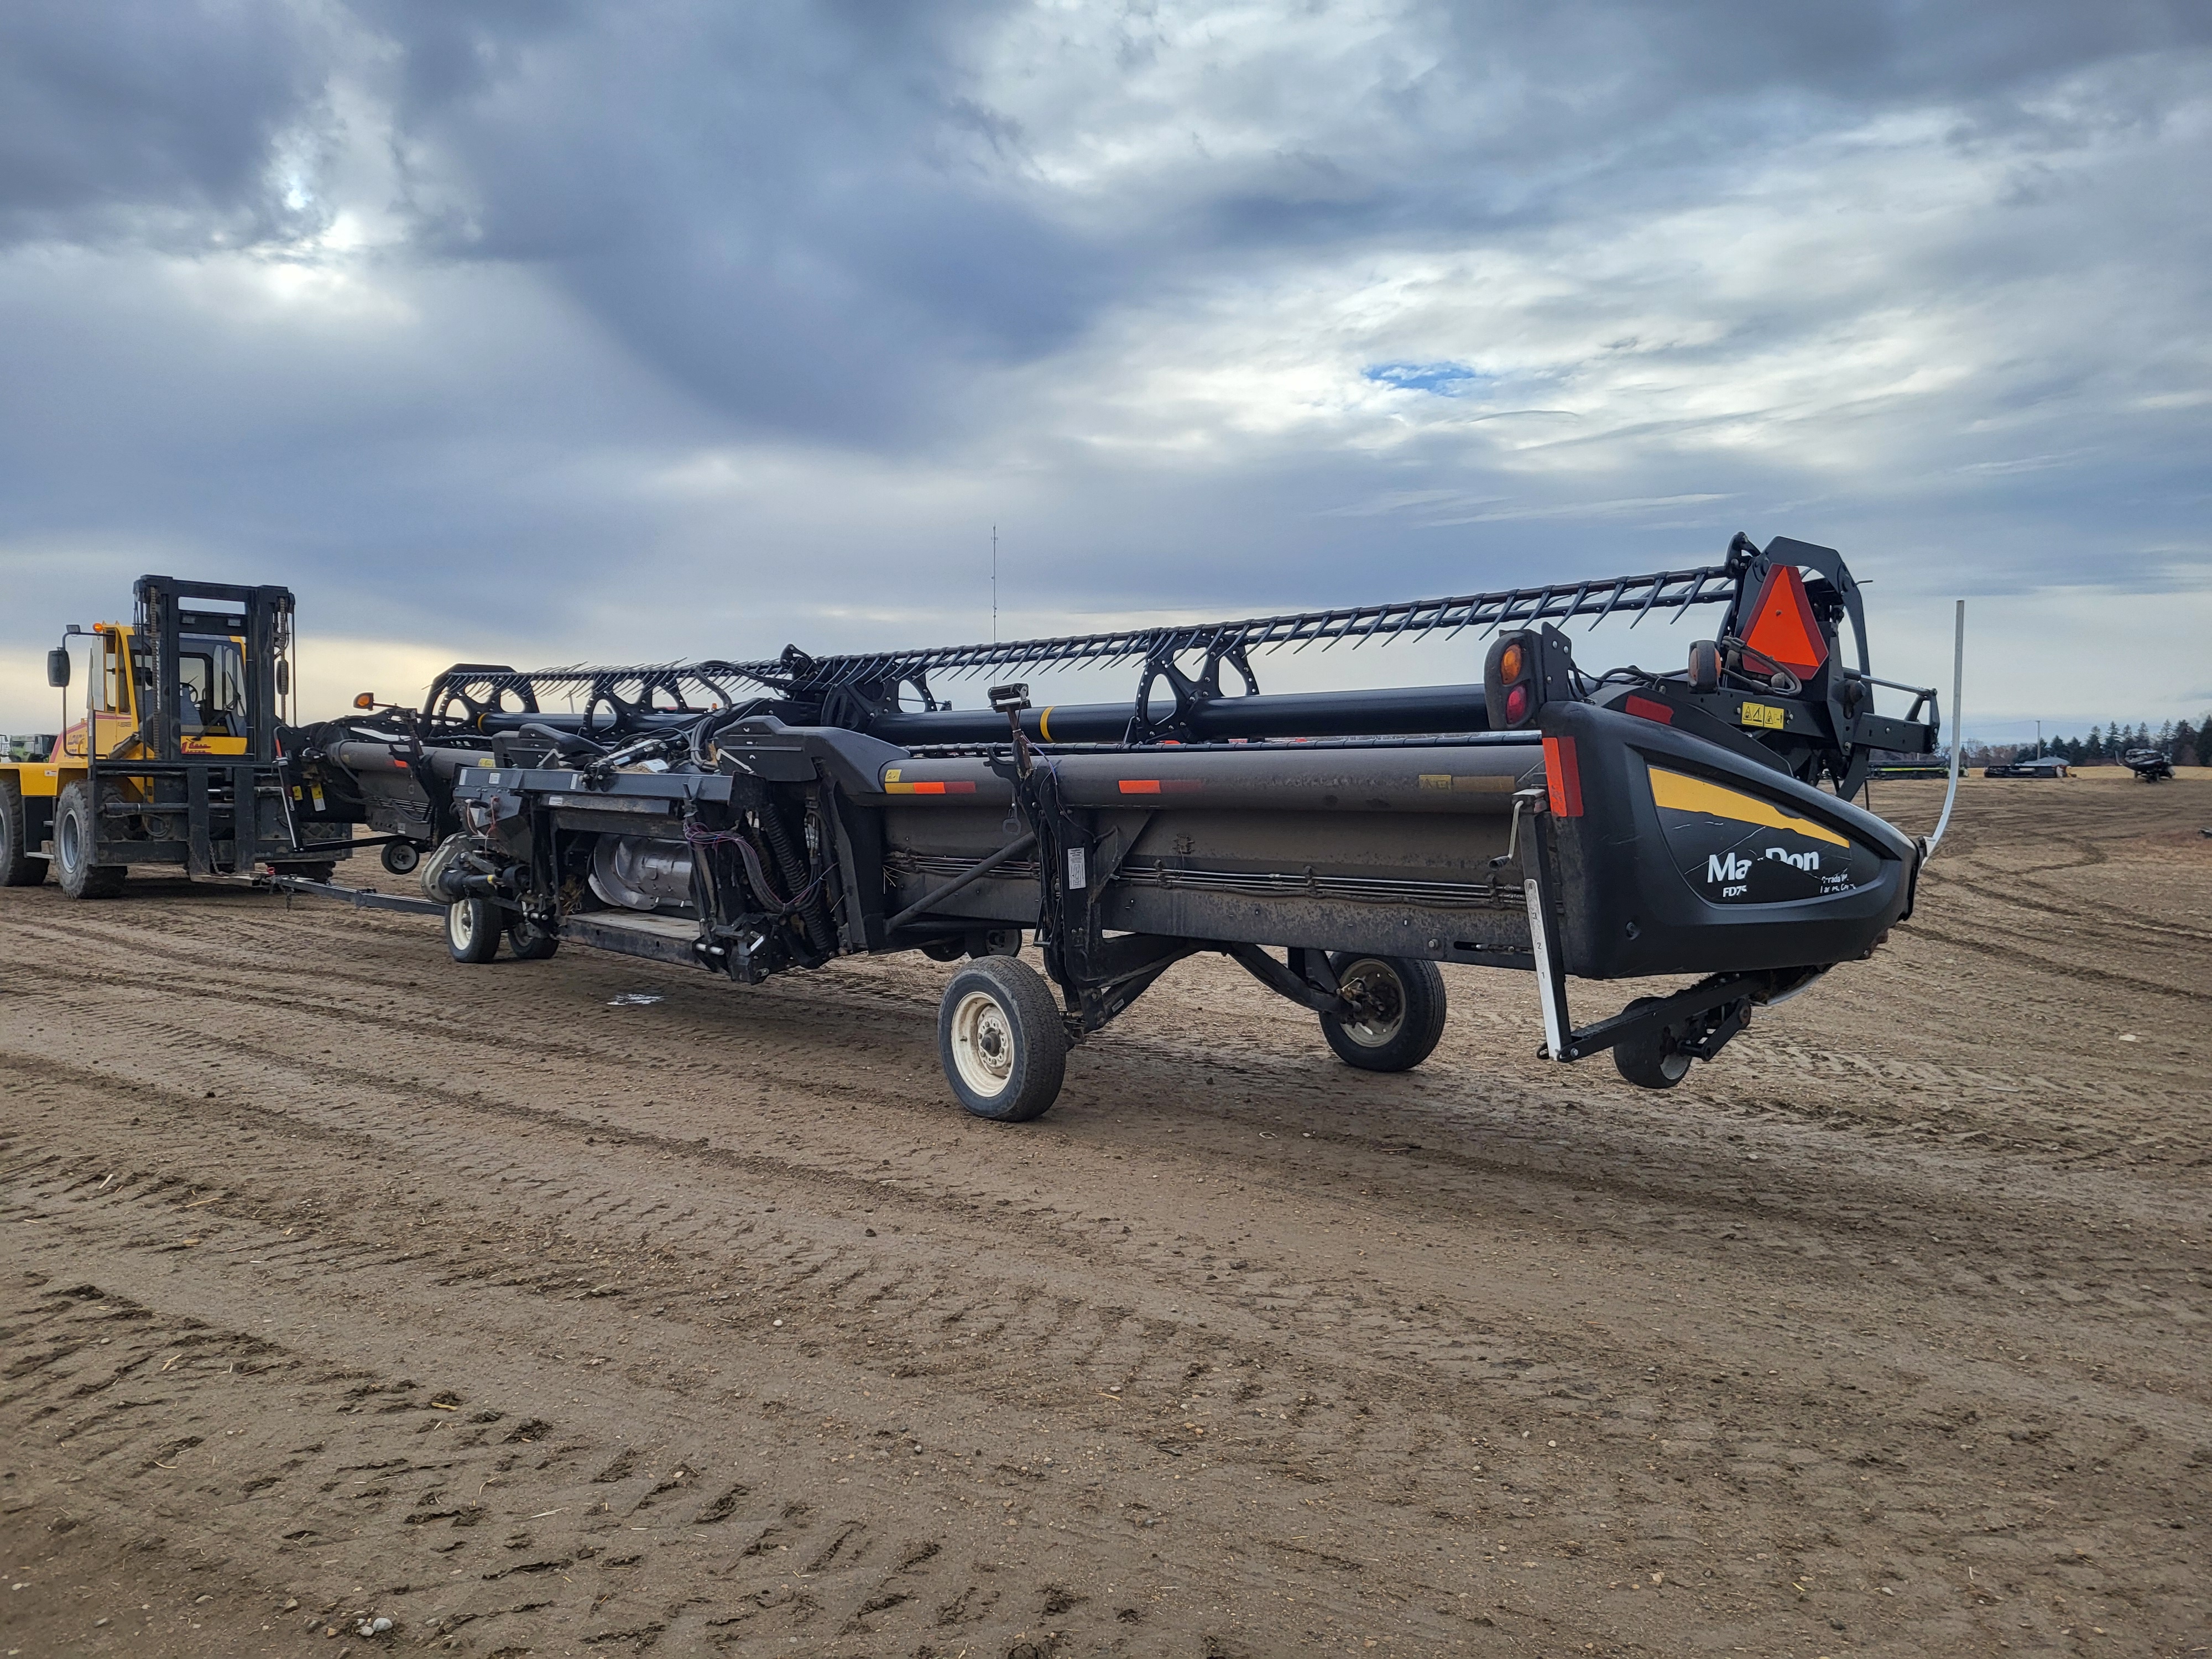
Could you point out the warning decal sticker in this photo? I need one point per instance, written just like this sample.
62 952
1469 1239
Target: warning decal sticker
1736 848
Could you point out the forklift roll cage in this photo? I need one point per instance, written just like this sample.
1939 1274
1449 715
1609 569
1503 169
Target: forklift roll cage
172 792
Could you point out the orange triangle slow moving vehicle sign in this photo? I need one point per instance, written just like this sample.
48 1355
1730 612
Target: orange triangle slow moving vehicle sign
1784 629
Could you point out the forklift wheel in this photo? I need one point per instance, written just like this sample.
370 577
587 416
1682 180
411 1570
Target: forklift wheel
472 930
76 837
400 857
533 941
17 867
1650 1061
1402 1004
1000 1040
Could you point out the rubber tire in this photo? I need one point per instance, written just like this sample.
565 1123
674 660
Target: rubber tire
1647 1061
17 867
1421 1026
73 821
401 857
530 941
1028 1014
472 930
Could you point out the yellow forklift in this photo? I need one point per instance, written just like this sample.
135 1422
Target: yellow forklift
175 756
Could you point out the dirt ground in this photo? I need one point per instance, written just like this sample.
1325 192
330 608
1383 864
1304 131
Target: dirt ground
596 1307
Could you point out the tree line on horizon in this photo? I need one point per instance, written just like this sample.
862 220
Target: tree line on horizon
2184 744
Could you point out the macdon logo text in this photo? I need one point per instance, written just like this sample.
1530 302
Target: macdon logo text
1727 871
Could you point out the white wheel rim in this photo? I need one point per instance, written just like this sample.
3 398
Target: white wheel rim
982 1044
1371 985
461 924
69 841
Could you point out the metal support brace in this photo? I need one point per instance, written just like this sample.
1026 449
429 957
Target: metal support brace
928 901
1543 935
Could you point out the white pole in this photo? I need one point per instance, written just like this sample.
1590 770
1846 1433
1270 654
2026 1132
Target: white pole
1958 731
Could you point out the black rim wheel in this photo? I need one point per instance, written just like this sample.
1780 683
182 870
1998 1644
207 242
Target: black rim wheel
1398 1004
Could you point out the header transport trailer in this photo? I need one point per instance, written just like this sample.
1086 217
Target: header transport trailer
757 817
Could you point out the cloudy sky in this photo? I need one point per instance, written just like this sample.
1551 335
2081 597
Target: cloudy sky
539 332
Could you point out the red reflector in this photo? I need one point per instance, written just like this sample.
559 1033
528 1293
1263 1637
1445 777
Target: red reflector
1564 777
1784 629
1140 786
1650 710
1516 704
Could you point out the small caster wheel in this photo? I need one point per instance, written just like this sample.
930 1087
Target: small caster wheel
400 857
1000 1040
1400 1004
472 930
1651 1061
531 940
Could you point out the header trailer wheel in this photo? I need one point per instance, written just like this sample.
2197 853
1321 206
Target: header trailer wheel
472 930
1001 1040
1399 1001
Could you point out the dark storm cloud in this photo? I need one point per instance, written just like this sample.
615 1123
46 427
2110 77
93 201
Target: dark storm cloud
170 118
552 311
797 212
806 215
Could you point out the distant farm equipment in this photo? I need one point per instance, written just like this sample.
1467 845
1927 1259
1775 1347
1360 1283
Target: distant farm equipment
2151 765
2041 766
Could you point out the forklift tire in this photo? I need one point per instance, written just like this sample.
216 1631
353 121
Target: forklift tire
1407 997
472 930
77 833
17 867
532 941
1001 1040
1650 1061
400 857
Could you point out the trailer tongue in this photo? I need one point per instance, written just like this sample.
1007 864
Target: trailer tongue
752 819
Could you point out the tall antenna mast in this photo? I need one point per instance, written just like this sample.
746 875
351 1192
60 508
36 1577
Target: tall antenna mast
995 584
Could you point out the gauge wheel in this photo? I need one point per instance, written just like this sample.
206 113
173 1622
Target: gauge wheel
473 929
1001 1040
1651 1060
17 867
76 838
531 940
400 857
1398 1004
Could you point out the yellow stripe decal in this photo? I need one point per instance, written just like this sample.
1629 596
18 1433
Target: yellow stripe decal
1044 724
1688 794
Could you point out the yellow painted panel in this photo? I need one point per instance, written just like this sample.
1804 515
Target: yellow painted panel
1688 794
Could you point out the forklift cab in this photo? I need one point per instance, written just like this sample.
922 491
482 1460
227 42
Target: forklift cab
208 690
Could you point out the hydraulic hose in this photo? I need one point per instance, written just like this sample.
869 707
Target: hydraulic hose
811 910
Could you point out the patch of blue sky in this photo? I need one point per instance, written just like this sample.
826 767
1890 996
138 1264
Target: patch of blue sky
1445 380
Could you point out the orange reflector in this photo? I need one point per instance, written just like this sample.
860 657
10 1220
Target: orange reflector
1156 786
956 787
1784 629
1509 665
1648 709
1564 777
